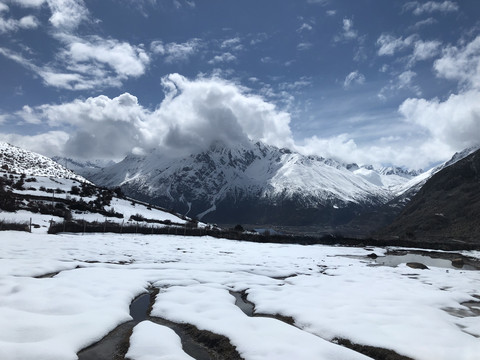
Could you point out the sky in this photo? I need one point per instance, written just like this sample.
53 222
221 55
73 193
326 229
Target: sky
366 81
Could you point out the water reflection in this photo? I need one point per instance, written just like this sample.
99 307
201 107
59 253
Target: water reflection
395 260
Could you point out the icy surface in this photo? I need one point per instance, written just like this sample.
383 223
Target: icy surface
329 292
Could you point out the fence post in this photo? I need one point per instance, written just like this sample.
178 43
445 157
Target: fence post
30 224
84 225
105 226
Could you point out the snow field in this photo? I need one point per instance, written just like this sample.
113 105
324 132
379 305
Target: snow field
329 291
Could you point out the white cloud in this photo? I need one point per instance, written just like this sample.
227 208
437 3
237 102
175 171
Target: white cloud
173 52
121 57
424 50
67 14
349 33
224 58
49 143
354 77
233 43
331 12
28 22
81 63
304 46
403 81
200 111
28 114
29 3
11 25
422 23
431 6
461 64
454 122
193 114
389 45
305 27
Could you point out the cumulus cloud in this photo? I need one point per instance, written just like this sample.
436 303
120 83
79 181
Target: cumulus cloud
193 114
454 122
354 77
431 6
203 110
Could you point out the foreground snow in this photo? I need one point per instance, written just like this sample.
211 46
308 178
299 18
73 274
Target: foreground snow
329 291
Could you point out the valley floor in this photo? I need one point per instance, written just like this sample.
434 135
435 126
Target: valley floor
61 293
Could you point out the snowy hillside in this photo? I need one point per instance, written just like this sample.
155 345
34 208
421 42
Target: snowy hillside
16 160
46 199
225 184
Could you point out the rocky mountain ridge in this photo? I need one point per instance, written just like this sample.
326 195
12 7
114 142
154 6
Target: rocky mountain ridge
254 183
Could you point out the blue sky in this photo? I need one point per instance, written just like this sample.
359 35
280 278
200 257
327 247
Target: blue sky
367 81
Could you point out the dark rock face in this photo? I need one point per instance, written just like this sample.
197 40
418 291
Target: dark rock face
447 206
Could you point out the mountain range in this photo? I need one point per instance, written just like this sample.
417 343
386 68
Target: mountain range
258 184
255 183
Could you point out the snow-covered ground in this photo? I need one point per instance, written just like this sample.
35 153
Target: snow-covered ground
329 291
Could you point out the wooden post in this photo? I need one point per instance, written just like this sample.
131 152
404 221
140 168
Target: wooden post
30 224
84 225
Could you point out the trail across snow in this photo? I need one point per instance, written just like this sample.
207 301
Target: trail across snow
329 292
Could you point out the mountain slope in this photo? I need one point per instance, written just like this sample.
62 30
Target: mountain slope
16 160
447 206
253 183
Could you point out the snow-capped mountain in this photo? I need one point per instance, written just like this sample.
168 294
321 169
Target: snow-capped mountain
16 160
253 183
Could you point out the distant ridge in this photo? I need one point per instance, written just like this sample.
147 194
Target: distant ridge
447 205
